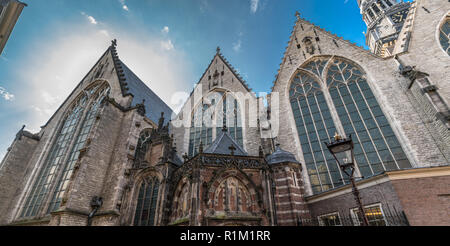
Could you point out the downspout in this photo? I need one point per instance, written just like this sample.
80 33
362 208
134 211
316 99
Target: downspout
96 203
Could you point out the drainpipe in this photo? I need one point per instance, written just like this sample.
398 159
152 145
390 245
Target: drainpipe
96 203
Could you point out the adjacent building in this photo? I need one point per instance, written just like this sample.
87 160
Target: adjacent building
10 11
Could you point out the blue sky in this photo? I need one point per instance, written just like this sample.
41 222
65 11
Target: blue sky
168 43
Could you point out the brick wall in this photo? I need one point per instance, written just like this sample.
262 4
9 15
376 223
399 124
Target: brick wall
425 200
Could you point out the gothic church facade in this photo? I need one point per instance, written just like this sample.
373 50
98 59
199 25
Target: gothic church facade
115 154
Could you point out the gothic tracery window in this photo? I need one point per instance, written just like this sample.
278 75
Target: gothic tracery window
142 147
55 157
444 35
86 127
215 111
145 214
315 126
64 153
376 146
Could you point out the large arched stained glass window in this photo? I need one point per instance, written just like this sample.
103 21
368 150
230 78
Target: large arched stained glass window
79 143
315 126
145 214
215 111
55 157
358 112
444 35
376 146
63 154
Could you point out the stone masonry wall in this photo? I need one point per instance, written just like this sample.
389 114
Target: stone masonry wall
12 172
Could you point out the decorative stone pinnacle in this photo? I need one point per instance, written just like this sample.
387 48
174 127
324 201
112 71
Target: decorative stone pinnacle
114 42
297 14
337 137
218 50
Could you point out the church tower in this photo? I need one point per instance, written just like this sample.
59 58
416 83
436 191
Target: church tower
384 20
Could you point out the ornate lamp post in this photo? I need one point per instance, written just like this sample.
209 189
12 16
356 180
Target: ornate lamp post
343 147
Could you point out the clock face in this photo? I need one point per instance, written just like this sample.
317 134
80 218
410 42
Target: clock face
400 16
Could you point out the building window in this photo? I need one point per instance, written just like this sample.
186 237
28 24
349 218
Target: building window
217 110
145 214
376 146
332 219
444 35
86 127
374 214
315 126
358 112
48 171
58 158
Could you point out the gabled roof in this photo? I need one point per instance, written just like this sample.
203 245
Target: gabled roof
229 66
222 145
299 24
142 94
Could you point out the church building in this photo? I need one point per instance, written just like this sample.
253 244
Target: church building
115 154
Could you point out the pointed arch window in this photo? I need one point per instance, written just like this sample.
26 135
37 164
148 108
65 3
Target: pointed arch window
315 126
215 111
145 214
63 153
376 146
86 127
55 157
358 112
444 35
142 148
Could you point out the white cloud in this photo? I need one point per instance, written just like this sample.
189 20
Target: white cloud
91 19
6 95
124 6
165 30
73 50
237 46
254 6
167 45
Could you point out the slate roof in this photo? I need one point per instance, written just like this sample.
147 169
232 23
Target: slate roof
142 94
154 105
222 146
281 156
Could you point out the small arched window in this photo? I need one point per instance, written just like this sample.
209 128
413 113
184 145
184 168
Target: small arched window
444 35
142 147
145 214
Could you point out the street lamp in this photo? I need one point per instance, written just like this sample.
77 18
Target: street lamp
343 147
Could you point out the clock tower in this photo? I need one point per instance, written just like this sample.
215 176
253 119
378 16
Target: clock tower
384 19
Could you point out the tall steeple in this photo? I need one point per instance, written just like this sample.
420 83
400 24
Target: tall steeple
384 20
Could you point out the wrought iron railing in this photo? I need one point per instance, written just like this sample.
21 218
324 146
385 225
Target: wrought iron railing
388 217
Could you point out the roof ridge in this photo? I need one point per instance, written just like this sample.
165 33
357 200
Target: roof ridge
215 144
235 73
